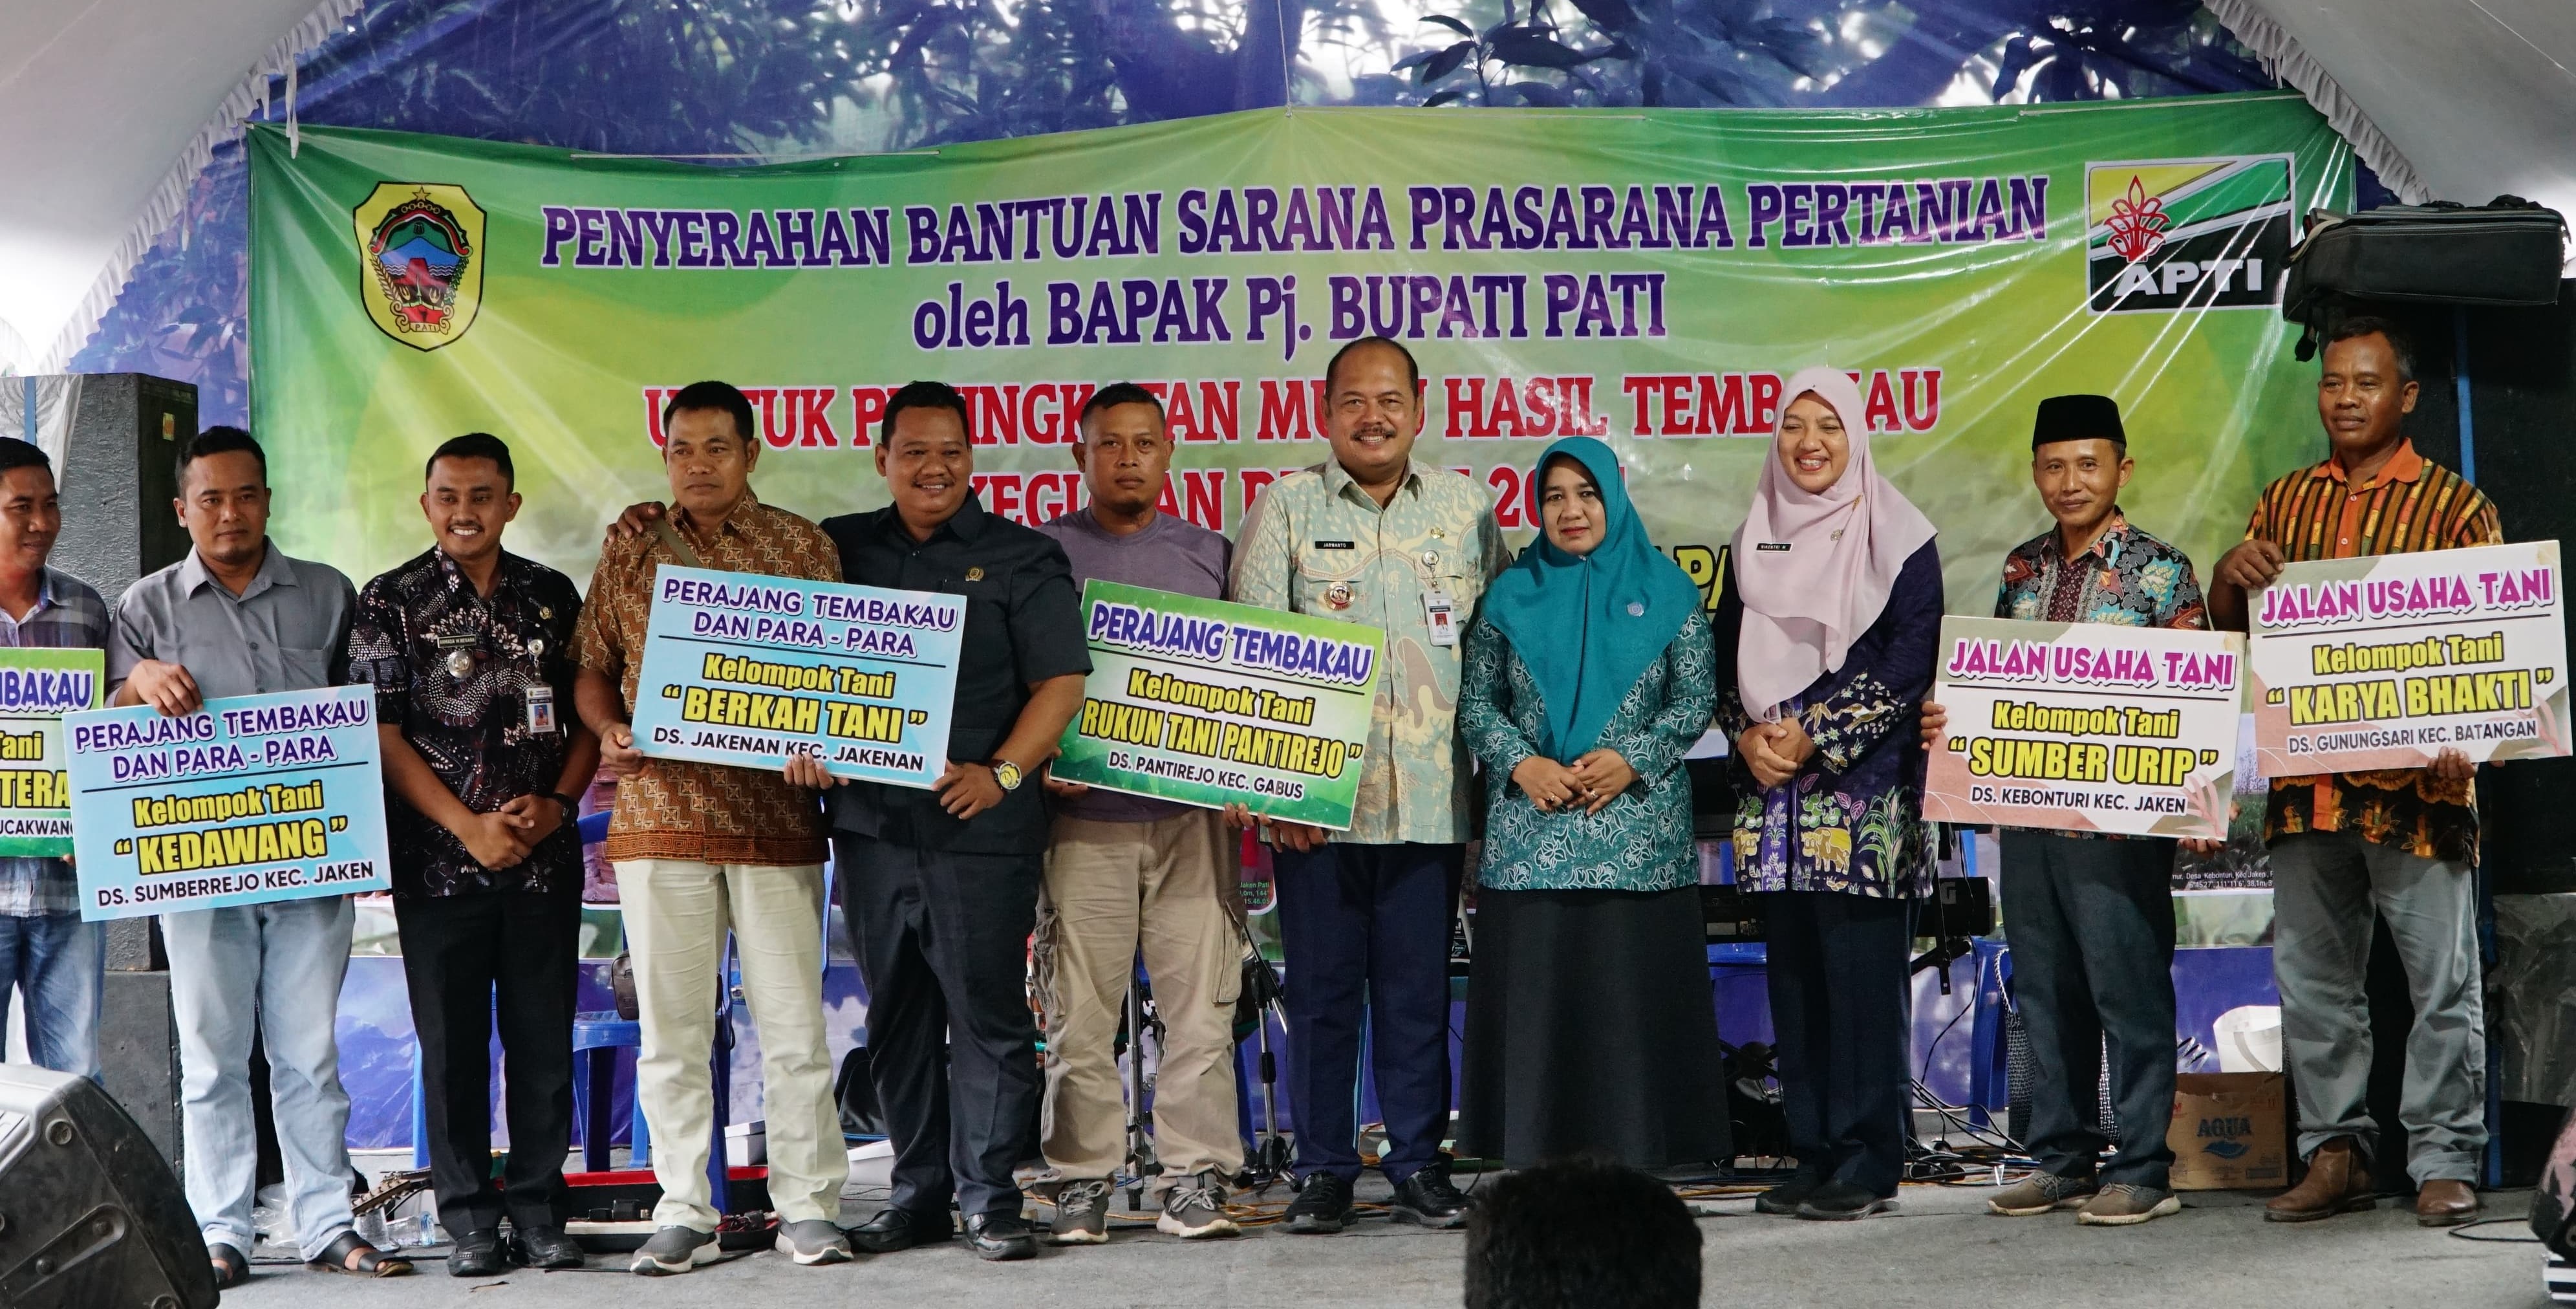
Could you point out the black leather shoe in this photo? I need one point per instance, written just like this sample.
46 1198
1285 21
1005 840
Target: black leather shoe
477 1254
547 1247
1322 1206
899 1229
1428 1198
1002 1237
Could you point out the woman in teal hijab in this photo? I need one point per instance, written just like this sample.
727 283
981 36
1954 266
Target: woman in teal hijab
1589 674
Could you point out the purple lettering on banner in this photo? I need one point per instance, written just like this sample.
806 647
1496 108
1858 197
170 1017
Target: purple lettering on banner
1350 322
1563 291
1458 205
1210 322
1334 211
1797 214
1712 218
869 226
1494 231
1531 230
759 248
921 222
689 233
586 252
1260 218
1600 208
1832 199
625 239
1422 299
1064 313
960 243
796 240
1192 207
559 229
2030 206
722 228
1765 199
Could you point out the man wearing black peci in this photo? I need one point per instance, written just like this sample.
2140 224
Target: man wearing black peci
469 648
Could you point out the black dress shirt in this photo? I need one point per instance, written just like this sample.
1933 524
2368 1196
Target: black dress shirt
452 668
1023 625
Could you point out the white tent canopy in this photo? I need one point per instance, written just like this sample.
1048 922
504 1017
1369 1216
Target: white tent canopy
108 106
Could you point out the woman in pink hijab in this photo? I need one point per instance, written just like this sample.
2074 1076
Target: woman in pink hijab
1831 619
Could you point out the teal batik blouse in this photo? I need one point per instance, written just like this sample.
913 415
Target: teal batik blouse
1642 840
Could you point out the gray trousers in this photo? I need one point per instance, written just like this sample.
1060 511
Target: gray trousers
2325 886
2091 924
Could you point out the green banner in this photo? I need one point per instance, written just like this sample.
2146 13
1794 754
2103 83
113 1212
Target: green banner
1212 704
38 686
1649 277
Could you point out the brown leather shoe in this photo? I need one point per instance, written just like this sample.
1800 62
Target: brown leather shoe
2444 1202
2337 1183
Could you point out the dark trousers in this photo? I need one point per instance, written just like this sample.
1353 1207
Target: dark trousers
2092 929
1838 977
1366 930
942 941
474 962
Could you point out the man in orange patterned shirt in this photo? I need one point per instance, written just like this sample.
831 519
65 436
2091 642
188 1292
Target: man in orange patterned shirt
2400 842
700 847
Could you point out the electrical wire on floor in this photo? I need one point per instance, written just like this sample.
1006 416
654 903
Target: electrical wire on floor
2462 1232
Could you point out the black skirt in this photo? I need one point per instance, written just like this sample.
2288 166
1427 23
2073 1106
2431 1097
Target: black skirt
1591 1030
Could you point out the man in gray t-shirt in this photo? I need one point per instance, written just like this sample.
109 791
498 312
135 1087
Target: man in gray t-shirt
237 617
1126 871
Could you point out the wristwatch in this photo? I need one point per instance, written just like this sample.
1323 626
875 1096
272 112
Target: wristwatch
1006 773
571 807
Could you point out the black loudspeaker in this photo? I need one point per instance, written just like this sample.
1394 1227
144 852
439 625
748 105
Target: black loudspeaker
90 1215
117 480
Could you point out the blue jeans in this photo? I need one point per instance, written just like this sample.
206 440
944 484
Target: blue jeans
1366 931
58 964
278 966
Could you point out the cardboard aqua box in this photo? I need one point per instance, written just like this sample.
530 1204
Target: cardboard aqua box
2230 1132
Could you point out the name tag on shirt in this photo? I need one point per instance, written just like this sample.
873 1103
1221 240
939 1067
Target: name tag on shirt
1336 545
1440 614
541 710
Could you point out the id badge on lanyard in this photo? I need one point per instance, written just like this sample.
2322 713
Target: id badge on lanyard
1440 614
541 710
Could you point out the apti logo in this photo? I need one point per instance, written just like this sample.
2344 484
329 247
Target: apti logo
2167 234
419 245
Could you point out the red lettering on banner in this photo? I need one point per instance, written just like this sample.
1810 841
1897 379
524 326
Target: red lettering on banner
1291 410
1508 496
868 406
1468 404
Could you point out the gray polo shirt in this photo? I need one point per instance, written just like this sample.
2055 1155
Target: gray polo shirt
287 631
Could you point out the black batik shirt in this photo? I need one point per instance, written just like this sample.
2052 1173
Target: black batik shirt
452 668
1023 625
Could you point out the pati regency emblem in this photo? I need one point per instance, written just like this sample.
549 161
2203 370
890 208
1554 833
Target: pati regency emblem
421 250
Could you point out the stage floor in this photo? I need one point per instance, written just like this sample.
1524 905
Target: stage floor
1939 1248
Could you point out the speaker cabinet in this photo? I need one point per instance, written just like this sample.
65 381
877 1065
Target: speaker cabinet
90 1215
116 479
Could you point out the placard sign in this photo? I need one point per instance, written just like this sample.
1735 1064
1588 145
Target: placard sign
2387 660
1210 704
250 799
37 687
2086 727
746 670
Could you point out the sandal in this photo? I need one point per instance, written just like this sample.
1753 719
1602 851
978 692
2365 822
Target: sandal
370 1261
232 1267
